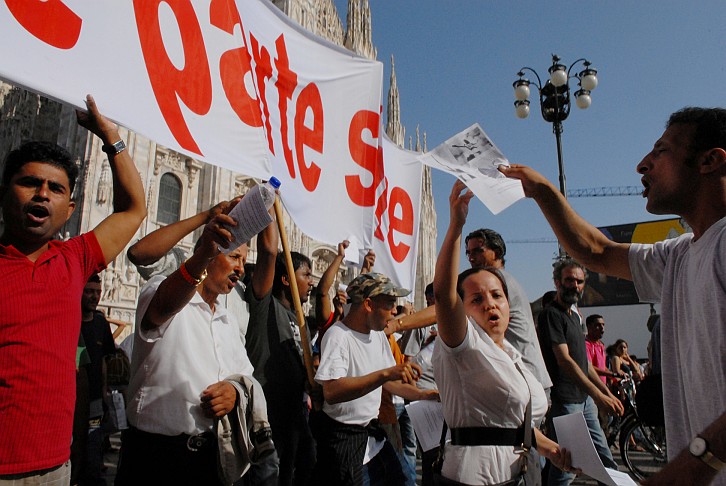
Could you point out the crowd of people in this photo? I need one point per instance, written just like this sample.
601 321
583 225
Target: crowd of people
219 388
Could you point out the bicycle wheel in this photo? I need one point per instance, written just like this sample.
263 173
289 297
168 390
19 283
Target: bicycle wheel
643 448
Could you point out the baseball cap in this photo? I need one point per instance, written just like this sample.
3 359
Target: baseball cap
372 284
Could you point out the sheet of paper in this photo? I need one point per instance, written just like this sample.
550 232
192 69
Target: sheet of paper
472 157
352 253
427 418
621 478
572 434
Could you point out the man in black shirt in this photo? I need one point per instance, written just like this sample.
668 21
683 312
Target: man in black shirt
97 335
576 385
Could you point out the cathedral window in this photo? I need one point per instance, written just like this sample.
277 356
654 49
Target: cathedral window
169 199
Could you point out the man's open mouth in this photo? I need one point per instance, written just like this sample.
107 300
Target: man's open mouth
38 213
646 187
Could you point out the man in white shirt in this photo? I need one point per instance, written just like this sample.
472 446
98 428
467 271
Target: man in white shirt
356 361
186 344
684 174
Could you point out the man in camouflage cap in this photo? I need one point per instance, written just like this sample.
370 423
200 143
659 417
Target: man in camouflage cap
356 362
369 285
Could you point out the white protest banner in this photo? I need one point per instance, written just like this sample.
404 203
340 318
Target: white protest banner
253 93
170 71
395 238
321 120
473 158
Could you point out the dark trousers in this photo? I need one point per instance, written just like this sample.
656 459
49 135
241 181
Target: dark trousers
384 469
294 444
154 459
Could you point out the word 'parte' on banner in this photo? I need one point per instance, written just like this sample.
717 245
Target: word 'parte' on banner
192 84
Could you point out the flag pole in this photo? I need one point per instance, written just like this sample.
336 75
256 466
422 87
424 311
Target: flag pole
302 325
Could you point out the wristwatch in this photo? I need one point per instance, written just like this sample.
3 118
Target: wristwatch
699 448
114 148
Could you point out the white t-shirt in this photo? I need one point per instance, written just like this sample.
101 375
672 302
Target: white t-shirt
173 364
348 353
689 279
481 387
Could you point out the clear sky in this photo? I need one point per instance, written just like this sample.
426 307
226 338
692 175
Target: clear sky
456 61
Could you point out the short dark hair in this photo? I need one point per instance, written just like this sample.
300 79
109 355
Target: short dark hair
592 319
472 271
563 263
429 290
45 152
709 127
548 297
298 260
95 278
492 240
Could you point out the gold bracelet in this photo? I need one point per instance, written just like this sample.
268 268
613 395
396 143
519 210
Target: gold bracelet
188 278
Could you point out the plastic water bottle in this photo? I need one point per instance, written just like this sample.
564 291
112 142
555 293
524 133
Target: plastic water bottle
251 213
268 191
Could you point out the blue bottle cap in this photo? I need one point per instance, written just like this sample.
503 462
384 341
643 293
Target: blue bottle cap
275 182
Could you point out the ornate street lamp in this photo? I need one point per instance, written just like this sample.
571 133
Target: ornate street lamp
554 98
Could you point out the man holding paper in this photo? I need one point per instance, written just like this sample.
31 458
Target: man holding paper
684 174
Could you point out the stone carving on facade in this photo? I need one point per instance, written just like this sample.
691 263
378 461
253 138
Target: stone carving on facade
105 186
169 160
242 184
193 168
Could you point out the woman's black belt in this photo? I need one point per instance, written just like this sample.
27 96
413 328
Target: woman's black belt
489 436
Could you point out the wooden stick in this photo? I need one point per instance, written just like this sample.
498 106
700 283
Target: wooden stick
302 325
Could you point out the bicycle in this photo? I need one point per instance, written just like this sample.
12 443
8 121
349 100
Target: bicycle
642 446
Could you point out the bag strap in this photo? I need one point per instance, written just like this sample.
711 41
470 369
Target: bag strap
527 442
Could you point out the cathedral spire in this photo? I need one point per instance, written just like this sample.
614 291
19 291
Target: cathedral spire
418 140
358 35
394 129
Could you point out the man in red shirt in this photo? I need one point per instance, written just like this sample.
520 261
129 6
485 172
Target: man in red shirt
40 305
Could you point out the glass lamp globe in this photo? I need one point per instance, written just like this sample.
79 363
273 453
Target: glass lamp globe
522 108
521 89
588 79
558 75
583 99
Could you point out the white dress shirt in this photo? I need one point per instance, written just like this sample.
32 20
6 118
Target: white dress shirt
173 364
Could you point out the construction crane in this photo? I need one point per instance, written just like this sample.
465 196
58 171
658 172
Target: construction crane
606 191
589 192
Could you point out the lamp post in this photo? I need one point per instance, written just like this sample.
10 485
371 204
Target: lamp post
554 98
554 101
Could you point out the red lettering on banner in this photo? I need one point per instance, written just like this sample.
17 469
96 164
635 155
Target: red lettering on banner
50 21
381 206
263 71
404 224
366 156
286 83
193 83
309 98
234 65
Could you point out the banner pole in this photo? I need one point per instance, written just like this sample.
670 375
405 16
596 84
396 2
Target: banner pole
302 325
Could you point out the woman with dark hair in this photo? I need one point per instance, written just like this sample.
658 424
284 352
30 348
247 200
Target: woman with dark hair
622 363
485 390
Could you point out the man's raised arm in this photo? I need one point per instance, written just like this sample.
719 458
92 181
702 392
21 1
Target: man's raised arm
129 204
149 249
583 241
264 274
